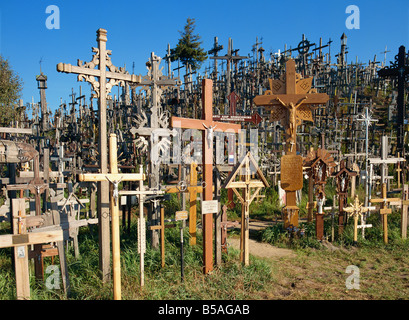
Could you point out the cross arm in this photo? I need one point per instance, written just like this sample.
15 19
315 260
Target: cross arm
385 200
187 123
11 240
279 99
111 176
68 68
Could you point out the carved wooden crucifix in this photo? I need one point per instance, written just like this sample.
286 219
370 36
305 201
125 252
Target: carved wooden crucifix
291 101
207 160
115 178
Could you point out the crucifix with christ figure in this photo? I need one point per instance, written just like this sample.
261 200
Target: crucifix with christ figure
208 126
290 101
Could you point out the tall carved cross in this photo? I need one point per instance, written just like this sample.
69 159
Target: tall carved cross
114 178
88 71
291 101
208 126
155 134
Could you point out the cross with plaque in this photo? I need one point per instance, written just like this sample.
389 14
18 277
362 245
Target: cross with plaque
114 178
290 101
208 126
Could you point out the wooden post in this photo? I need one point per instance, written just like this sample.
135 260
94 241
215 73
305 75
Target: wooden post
20 252
404 218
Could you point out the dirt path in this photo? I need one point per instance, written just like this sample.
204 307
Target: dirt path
263 250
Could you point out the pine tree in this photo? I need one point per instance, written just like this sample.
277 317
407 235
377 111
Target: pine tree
10 92
188 49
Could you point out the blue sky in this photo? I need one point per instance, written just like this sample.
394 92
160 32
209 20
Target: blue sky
137 28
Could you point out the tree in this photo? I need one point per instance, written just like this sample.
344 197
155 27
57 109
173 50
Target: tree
188 49
10 92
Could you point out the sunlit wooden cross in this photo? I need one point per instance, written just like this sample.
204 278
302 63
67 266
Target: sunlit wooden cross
356 210
291 101
208 126
193 189
114 178
245 169
89 71
384 211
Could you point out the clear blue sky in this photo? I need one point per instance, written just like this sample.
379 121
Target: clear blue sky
137 28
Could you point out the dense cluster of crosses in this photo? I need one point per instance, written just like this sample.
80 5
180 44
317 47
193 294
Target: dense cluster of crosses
306 116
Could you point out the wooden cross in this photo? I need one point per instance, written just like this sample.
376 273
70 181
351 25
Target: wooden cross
291 101
193 189
117 76
114 178
208 126
249 165
356 210
20 239
384 211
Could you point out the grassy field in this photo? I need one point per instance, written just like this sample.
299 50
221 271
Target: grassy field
313 272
